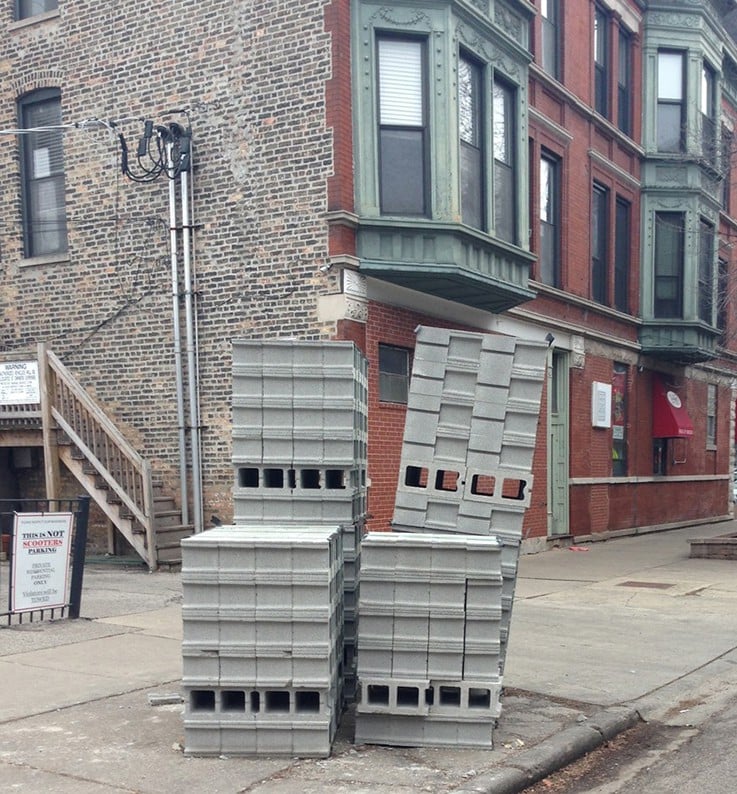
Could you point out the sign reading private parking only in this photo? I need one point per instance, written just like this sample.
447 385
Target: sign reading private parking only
40 570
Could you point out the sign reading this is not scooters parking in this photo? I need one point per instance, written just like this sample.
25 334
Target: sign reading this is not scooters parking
41 549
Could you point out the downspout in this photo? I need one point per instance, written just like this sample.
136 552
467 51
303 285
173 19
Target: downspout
177 335
192 348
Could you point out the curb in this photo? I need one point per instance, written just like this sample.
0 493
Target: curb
553 753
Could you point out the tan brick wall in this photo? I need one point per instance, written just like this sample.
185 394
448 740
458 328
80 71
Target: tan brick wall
253 75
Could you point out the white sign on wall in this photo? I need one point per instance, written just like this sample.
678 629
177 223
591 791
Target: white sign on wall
19 383
601 404
40 570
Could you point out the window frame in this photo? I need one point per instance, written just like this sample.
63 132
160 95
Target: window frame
620 378
550 203
32 236
473 189
708 113
622 253
387 377
504 97
602 61
550 49
665 102
23 8
665 221
388 204
711 416
600 196
727 144
706 271
624 81
722 298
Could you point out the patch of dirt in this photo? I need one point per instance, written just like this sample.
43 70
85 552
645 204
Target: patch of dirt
601 765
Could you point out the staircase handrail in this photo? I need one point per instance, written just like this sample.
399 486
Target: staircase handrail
141 503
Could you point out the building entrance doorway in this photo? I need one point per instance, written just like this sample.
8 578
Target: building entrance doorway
558 452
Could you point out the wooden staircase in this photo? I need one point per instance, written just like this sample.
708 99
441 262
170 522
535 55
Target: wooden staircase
77 432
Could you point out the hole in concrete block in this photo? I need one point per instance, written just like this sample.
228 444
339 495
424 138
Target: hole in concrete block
416 477
307 701
273 478
377 693
292 478
255 702
479 698
429 696
334 479
450 696
202 700
277 701
233 700
514 489
483 485
408 696
309 478
248 478
446 480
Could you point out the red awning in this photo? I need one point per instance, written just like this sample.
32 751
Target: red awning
670 419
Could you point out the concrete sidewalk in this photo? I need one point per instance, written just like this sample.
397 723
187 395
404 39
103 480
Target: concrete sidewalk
601 636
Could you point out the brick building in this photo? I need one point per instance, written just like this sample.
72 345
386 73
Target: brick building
554 170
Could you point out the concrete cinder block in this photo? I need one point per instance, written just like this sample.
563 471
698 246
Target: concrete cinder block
202 739
443 663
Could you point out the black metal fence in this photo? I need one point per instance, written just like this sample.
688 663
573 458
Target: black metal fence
79 508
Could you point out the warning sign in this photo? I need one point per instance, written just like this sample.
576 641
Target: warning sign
19 383
41 549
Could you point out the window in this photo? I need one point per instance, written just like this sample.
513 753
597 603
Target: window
727 145
706 272
708 114
711 415
550 47
619 420
624 84
669 236
31 8
601 62
599 243
549 253
621 254
42 173
470 133
393 374
670 136
660 456
402 127
504 161
723 298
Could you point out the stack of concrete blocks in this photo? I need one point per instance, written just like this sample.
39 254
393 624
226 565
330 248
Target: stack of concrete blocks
300 438
465 477
429 640
263 640
471 427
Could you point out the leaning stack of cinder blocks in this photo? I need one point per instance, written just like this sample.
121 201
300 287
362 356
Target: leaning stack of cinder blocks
428 662
300 436
465 471
263 640
469 440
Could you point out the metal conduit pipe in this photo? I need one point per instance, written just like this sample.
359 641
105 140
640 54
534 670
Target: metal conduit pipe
178 362
192 351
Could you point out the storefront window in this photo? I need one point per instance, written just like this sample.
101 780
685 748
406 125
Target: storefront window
619 420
